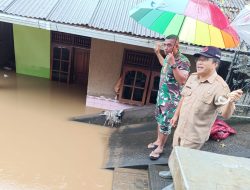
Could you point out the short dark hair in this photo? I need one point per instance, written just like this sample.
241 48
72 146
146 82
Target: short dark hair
216 60
173 36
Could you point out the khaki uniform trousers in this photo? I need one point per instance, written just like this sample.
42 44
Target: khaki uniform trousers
177 141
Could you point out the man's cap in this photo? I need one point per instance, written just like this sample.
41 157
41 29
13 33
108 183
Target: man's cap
210 52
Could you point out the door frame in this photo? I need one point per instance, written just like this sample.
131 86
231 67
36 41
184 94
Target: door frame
151 85
131 101
53 45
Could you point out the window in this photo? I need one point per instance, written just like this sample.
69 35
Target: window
70 39
61 63
135 83
140 78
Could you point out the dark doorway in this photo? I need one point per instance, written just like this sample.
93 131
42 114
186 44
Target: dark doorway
81 66
7 53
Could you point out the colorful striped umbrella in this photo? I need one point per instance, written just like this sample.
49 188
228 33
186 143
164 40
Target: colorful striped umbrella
194 21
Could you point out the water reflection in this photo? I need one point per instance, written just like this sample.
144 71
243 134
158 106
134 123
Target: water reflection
40 147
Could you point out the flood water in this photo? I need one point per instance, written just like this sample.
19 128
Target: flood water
40 148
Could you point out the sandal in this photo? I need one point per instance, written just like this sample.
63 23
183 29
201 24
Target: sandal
155 157
152 146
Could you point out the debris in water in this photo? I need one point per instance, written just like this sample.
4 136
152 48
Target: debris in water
222 145
7 68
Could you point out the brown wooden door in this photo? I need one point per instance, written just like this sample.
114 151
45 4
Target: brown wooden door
81 66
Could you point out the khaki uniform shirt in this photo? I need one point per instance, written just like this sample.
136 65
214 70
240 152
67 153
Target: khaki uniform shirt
200 107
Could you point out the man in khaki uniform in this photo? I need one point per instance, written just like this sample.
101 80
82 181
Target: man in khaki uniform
204 96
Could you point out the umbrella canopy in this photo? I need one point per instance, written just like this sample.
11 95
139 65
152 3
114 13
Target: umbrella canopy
194 21
242 24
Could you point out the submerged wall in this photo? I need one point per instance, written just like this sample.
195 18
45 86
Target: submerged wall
32 51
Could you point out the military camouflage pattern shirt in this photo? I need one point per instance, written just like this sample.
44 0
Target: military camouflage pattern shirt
169 92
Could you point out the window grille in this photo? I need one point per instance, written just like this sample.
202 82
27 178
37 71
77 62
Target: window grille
70 39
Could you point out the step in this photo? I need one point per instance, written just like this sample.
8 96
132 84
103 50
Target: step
195 169
155 181
130 179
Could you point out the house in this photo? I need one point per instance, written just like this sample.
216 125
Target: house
91 43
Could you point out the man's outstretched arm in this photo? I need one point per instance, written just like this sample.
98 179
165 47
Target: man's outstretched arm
228 109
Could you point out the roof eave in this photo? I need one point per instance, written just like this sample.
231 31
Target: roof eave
99 34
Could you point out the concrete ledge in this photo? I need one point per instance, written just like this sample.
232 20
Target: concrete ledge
196 170
106 103
131 116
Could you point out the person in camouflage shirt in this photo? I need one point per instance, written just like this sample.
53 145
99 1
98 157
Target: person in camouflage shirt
174 73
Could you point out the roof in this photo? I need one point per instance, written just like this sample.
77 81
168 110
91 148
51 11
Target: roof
78 12
231 8
104 15
114 16
111 15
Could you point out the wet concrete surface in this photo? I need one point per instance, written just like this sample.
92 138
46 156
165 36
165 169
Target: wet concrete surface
130 179
128 144
234 145
131 116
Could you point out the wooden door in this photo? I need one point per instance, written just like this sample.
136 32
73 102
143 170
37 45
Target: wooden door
81 66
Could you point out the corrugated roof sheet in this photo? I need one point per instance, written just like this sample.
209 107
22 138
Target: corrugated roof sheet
4 4
109 15
32 8
233 4
114 16
77 12
231 8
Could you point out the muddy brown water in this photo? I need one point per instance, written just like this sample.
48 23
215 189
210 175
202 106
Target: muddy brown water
40 148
